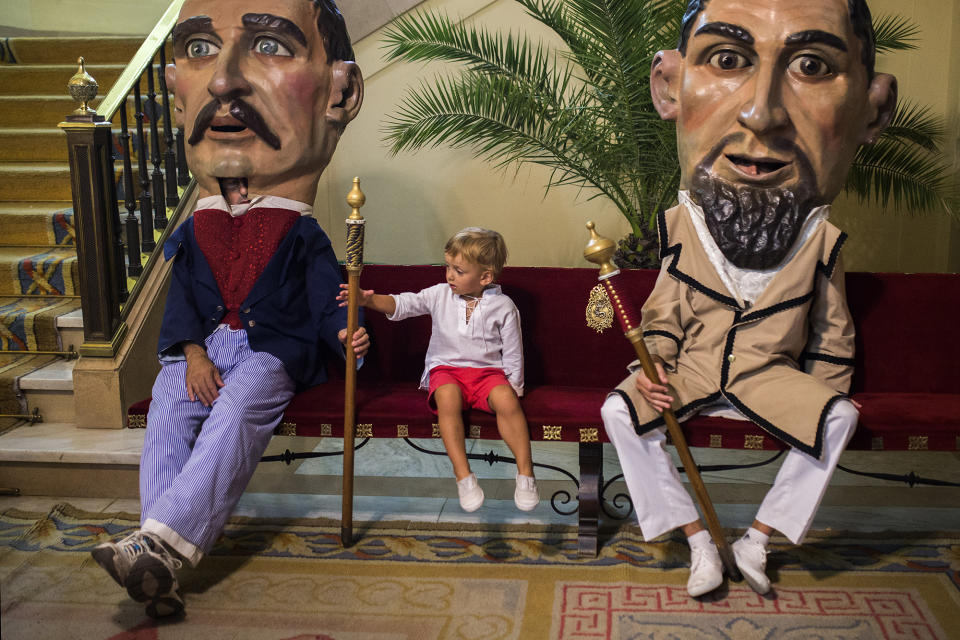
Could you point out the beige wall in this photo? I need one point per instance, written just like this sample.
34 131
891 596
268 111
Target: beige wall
884 241
120 17
415 201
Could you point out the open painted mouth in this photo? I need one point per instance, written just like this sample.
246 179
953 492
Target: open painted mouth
755 167
228 128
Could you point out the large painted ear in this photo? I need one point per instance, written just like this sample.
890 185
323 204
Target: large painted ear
664 78
170 75
346 93
882 100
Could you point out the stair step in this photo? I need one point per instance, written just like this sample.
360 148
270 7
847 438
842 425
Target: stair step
65 50
38 272
35 180
33 145
42 111
52 79
50 144
56 376
32 323
37 226
47 180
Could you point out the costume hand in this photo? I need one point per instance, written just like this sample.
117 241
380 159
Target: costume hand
656 395
203 378
364 297
361 341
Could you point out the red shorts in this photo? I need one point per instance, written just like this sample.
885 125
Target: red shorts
475 384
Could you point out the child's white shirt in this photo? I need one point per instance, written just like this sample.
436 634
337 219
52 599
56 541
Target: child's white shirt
490 339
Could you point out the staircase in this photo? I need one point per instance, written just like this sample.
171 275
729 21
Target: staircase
41 325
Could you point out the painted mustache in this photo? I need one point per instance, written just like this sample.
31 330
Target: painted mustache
244 113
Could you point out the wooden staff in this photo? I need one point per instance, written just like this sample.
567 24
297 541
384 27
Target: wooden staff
600 251
354 264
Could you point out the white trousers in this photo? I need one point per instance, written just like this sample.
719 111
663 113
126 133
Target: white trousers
662 504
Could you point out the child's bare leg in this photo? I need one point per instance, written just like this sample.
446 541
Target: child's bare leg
512 425
450 420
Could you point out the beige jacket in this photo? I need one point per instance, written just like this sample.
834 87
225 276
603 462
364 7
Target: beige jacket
781 362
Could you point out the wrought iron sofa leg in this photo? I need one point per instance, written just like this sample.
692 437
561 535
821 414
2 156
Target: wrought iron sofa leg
591 478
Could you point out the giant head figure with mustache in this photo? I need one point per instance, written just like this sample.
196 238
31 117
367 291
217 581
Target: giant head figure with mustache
771 102
263 92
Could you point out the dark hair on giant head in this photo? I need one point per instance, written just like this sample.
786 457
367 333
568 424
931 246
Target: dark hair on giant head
333 29
859 17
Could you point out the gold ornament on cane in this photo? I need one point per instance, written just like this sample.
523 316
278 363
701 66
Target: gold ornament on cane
599 309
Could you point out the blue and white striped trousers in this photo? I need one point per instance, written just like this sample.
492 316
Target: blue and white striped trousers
198 460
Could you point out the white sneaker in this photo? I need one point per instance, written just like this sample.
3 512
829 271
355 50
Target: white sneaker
471 495
526 496
751 559
706 570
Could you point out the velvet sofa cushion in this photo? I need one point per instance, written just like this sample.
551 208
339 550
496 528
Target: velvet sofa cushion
907 374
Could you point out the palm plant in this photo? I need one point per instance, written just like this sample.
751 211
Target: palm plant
585 111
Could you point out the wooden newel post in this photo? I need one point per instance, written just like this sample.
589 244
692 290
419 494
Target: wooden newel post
354 264
600 251
99 249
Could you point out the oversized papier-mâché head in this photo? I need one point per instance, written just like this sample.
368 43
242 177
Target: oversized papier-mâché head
263 90
772 99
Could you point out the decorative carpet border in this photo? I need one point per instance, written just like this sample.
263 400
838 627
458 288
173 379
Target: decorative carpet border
66 528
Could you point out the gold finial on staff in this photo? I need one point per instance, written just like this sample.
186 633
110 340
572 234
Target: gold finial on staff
356 199
600 252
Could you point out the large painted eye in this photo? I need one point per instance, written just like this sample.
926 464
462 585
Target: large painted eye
201 48
728 60
271 47
810 66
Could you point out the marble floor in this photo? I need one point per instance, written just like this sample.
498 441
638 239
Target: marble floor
393 481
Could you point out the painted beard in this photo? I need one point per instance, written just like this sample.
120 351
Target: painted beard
754 227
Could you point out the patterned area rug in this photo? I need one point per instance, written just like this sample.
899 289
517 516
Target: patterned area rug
288 580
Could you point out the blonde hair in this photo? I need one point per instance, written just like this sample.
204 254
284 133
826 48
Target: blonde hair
482 247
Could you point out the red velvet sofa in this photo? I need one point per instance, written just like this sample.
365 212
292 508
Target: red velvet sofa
907 374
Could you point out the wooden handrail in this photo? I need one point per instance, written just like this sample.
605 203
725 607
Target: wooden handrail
144 56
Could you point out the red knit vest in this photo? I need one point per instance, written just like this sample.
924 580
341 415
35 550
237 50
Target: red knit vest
238 249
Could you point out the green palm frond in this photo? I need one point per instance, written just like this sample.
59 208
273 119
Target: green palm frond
894 33
432 37
502 122
918 125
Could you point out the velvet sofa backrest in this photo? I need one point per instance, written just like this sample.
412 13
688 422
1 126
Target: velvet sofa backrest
905 328
906 331
559 348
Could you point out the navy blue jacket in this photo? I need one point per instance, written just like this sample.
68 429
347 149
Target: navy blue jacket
291 310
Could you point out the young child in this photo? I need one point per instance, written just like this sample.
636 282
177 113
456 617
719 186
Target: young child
475 356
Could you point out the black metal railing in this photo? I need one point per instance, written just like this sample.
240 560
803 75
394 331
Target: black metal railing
102 164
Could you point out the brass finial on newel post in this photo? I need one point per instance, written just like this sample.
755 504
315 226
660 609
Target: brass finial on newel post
83 88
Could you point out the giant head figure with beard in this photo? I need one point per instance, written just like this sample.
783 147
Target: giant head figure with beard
772 100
